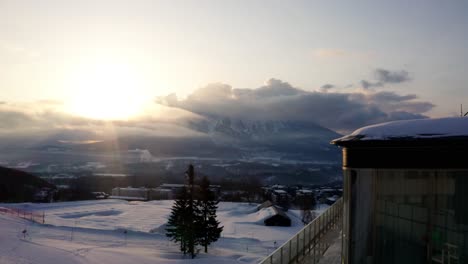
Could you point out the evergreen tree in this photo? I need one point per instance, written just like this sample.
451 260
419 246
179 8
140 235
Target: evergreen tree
209 230
177 225
182 224
192 214
193 218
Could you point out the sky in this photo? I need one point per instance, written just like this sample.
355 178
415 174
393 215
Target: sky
379 60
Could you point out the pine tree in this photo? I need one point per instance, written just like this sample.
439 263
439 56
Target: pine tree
177 224
182 224
209 230
192 214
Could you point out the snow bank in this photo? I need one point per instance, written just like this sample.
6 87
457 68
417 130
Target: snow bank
419 128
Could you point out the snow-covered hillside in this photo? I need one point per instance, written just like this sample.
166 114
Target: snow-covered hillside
93 232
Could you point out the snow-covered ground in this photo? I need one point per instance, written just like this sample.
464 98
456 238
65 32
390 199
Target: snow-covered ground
93 232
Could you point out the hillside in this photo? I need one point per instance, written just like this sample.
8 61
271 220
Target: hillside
19 186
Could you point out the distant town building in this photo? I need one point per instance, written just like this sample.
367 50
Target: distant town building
279 196
166 191
100 195
130 193
45 195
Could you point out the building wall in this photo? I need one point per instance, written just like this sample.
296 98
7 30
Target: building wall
405 216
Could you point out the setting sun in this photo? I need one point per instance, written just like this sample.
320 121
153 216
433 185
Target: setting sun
107 91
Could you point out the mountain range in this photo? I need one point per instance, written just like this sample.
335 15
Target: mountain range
216 137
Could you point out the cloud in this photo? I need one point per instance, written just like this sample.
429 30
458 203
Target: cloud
274 87
367 85
326 87
274 100
386 96
384 77
12 119
42 119
279 100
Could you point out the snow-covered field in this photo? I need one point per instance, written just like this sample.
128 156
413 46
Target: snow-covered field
93 232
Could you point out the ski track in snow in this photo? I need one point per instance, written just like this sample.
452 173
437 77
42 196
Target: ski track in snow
92 232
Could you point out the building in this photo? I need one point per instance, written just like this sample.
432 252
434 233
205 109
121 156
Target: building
130 193
405 192
168 191
273 216
280 198
165 191
171 190
45 195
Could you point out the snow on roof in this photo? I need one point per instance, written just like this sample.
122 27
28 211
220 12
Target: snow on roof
265 213
417 129
265 204
280 191
268 212
127 197
129 188
172 185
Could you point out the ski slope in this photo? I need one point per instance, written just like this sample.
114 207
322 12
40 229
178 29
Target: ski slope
93 232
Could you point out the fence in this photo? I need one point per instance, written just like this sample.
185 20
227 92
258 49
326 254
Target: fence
28 215
310 241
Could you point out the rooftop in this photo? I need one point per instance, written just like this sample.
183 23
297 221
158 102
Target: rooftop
436 128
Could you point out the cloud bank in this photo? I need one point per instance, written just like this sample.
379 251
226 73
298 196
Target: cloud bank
279 100
275 100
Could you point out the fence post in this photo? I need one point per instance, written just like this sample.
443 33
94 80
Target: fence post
315 237
297 247
303 243
281 258
281 255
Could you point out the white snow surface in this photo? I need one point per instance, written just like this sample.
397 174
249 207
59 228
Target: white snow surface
93 232
418 128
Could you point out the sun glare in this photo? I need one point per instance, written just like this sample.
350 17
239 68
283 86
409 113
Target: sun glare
107 91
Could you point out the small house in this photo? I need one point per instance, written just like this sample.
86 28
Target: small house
277 218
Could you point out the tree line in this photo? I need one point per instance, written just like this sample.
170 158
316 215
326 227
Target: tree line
193 220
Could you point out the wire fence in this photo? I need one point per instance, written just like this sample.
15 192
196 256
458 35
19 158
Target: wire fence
38 217
310 242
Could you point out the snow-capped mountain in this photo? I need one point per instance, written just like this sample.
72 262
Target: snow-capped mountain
221 137
270 137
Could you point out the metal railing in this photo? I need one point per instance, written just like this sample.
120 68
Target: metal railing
309 241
